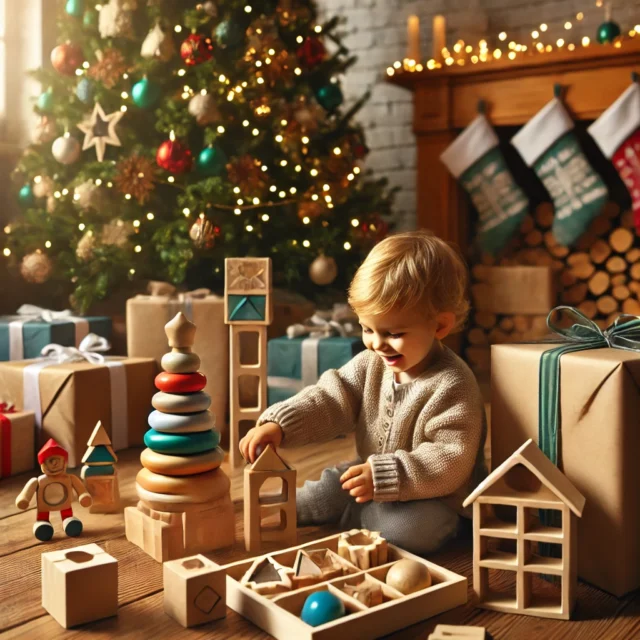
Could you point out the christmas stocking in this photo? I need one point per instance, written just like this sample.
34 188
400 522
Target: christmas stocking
547 143
475 159
617 132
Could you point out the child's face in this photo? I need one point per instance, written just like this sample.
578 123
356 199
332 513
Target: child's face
403 339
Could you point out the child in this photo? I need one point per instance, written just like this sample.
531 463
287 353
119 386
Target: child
414 405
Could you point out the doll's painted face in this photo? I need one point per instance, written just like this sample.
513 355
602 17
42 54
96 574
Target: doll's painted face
405 339
53 465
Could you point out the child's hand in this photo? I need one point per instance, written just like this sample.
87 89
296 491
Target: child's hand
358 481
267 433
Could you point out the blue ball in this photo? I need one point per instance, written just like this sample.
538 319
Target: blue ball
321 607
85 91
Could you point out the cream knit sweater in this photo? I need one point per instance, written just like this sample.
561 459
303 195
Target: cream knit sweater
423 439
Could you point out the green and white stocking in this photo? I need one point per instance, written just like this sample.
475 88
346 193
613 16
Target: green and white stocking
548 144
475 160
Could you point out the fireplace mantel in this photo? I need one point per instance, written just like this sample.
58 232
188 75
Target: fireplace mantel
445 101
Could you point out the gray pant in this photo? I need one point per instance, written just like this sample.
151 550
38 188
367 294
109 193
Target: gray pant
418 526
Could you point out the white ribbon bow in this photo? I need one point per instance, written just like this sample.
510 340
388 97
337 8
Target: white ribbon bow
90 349
322 324
48 315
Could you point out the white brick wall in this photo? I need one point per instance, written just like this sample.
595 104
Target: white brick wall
376 33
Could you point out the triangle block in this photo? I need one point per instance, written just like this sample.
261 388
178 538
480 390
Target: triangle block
102 454
247 308
305 566
269 460
99 436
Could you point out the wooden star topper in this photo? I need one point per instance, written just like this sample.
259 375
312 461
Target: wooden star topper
100 130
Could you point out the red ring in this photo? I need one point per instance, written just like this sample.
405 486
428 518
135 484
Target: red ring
180 382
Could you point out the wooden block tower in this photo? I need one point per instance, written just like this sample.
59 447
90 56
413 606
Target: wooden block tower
248 309
185 506
99 473
257 507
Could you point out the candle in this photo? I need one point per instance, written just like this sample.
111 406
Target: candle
439 36
413 38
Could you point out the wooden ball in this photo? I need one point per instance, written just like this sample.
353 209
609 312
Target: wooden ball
408 576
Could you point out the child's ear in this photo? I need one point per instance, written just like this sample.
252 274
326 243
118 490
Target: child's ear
445 322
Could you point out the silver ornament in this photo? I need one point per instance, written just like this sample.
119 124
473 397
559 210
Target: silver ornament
323 270
66 149
204 109
85 194
116 19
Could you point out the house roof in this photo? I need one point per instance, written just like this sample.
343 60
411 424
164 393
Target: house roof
269 460
530 456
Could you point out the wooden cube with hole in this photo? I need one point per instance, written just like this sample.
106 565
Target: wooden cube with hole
79 585
506 506
269 516
248 309
194 590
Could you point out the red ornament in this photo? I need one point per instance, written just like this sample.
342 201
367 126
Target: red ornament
196 49
180 382
66 58
173 156
312 52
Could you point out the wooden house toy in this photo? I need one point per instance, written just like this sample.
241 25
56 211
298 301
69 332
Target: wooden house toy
248 310
258 507
99 473
194 590
522 485
79 585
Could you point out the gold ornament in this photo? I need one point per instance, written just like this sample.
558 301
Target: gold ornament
109 68
84 249
36 267
203 233
100 130
135 175
323 270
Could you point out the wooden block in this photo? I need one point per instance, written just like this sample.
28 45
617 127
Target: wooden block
456 632
522 289
194 590
247 291
105 493
267 577
79 585
363 548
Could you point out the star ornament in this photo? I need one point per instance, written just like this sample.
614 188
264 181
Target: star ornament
100 130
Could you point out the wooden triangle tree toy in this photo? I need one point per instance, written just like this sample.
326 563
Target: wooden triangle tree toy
99 472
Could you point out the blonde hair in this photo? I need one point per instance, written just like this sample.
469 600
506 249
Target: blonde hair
411 269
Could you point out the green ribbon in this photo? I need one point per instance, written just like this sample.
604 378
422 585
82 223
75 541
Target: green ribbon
582 334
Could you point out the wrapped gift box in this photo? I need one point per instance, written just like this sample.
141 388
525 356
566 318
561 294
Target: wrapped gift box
36 334
70 398
146 318
598 445
294 363
17 442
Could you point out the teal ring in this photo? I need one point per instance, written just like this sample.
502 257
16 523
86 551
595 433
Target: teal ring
181 443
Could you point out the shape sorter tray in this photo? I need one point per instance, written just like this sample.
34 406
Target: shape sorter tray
279 615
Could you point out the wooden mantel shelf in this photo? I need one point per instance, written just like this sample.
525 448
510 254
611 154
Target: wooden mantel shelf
446 99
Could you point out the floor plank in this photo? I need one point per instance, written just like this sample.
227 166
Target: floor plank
597 616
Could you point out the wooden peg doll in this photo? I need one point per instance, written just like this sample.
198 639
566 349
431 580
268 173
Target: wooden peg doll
54 492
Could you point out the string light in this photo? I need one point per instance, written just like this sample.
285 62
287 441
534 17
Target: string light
543 27
265 217
6 252
81 226
177 28
579 16
560 42
502 36
306 220
132 271
220 129
299 39
150 216
347 245
586 41
137 248
136 223
355 222
535 35
249 227
567 25
306 243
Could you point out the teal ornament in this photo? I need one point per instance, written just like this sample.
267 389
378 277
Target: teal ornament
90 18
229 34
322 607
75 8
45 101
608 32
181 444
86 91
330 96
25 196
212 161
145 93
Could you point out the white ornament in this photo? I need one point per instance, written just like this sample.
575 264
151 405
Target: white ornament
210 8
116 20
158 44
85 194
323 270
204 109
66 149
43 188
116 233
94 130
45 130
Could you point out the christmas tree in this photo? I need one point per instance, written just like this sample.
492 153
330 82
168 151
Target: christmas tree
174 134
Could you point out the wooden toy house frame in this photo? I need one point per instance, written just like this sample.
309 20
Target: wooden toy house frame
528 481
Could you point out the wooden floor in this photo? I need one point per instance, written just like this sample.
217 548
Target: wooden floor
598 616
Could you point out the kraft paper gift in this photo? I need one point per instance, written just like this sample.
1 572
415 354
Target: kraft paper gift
17 441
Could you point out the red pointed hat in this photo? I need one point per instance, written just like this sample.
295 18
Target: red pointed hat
51 448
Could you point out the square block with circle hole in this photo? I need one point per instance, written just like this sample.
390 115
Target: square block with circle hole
194 590
79 585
